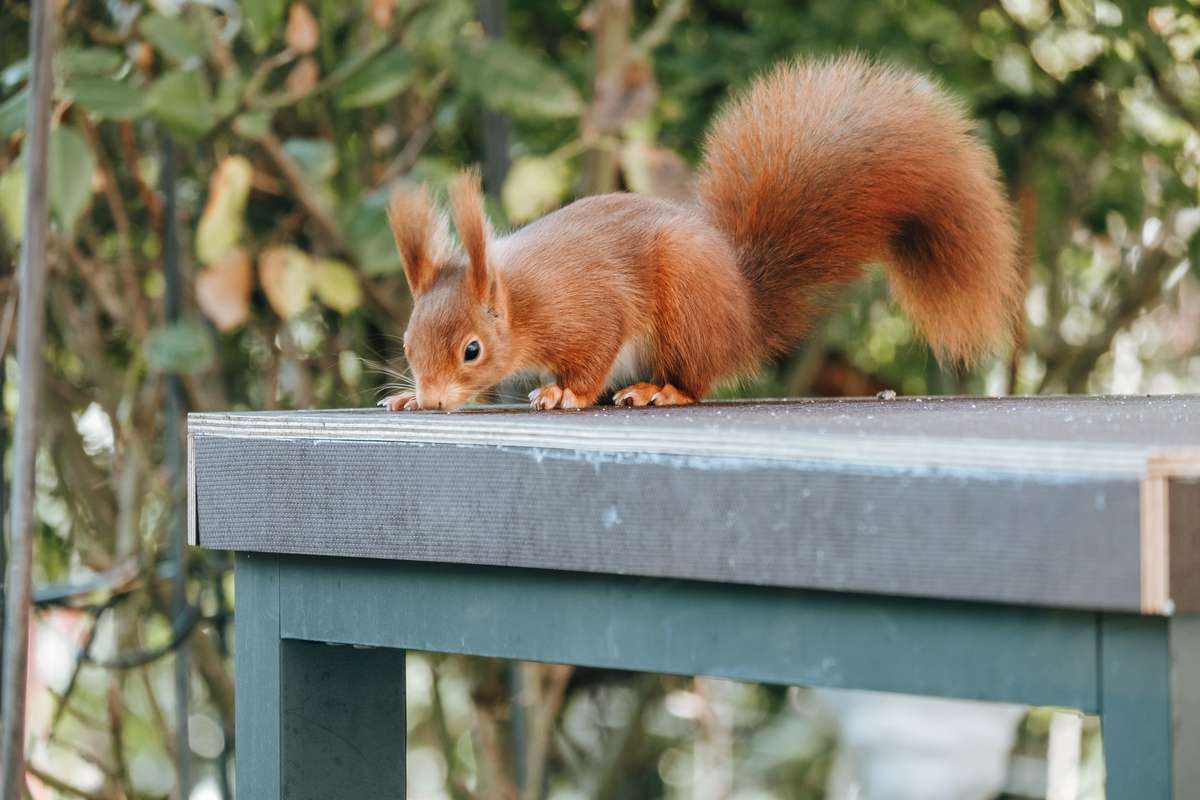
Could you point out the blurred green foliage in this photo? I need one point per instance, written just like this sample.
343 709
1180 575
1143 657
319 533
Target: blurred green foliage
291 122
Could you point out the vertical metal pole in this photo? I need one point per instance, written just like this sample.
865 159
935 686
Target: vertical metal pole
31 320
3 498
495 124
175 468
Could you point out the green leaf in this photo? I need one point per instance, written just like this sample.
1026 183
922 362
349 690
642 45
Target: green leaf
229 94
264 19
108 98
70 180
182 101
316 158
76 61
177 38
518 82
12 200
378 81
286 274
12 113
434 27
253 125
336 285
223 219
182 347
534 185
367 230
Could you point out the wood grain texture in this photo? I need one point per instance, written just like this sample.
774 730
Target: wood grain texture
1155 537
1033 500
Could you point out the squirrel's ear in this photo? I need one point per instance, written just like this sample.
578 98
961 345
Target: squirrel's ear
421 235
466 206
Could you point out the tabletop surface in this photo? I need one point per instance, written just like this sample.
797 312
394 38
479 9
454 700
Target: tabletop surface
1163 420
1075 501
1114 433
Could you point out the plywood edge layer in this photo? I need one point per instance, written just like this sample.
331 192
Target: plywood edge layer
1155 552
192 525
1182 462
1158 539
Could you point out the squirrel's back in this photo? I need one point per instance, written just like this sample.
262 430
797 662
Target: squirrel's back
822 167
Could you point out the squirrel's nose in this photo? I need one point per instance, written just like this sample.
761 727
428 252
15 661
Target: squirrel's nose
432 398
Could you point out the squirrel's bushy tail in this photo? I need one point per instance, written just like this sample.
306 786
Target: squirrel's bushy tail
823 167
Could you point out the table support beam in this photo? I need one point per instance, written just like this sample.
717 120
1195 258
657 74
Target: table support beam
973 651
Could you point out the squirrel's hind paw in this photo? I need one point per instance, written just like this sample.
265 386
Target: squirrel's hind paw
638 394
648 394
668 395
405 401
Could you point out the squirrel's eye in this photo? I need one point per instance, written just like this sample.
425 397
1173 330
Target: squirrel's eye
472 351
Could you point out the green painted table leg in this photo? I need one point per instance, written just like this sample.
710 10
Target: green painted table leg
1150 706
256 677
313 720
343 722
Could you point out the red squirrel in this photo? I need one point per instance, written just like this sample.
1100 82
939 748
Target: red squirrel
820 167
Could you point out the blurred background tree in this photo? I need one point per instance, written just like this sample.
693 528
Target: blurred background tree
234 159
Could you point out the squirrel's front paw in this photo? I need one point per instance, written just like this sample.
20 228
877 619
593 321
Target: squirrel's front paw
405 401
552 395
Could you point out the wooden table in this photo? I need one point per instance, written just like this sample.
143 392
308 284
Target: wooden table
1035 550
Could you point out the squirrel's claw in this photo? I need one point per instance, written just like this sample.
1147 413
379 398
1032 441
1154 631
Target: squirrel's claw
552 395
406 401
668 395
648 394
639 394
545 397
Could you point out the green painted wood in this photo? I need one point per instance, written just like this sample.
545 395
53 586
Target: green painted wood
343 722
340 725
256 677
1135 708
1185 704
772 635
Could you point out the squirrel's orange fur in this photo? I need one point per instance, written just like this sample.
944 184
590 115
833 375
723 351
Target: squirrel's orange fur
820 168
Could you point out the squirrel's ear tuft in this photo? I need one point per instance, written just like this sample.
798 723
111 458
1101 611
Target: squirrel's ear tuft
421 235
466 205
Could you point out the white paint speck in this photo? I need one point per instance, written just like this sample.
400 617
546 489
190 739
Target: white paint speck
612 517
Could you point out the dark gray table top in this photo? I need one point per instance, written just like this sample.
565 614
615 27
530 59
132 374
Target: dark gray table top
1075 501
